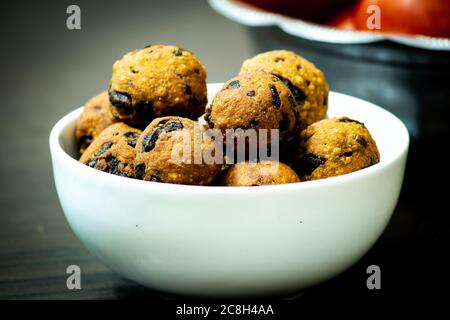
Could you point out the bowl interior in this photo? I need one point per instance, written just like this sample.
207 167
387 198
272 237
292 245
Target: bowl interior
67 137
388 131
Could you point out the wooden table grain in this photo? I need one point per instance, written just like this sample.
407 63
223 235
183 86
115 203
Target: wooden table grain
48 70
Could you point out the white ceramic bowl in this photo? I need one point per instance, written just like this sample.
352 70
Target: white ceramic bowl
233 241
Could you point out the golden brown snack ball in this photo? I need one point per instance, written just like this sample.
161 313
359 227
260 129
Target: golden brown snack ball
333 147
254 100
96 116
306 82
157 81
166 152
258 174
113 150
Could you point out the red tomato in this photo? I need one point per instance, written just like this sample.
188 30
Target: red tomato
419 17
344 20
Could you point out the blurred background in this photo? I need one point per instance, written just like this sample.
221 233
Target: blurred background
48 70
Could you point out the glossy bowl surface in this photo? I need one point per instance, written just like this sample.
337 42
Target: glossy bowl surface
233 241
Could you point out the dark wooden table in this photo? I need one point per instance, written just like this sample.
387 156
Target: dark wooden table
48 70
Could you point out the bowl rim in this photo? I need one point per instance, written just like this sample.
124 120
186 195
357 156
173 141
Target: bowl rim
57 151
